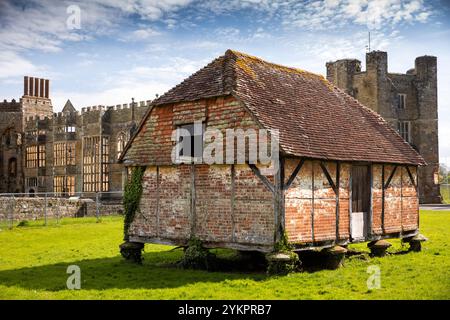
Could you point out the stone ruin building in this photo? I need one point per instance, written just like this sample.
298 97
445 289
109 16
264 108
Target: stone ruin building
67 153
407 101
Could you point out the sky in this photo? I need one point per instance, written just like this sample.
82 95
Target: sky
104 52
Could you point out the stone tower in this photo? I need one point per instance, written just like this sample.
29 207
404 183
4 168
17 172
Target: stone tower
407 101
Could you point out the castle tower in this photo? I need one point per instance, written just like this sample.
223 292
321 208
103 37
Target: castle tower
341 73
427 124
36 97
407 101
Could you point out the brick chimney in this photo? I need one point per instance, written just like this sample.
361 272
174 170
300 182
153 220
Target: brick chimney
36 87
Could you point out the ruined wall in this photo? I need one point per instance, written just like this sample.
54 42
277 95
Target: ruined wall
36 208
11 174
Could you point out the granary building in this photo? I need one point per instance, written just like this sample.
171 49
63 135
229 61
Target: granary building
344 175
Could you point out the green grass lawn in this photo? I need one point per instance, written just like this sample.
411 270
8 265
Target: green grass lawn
34 259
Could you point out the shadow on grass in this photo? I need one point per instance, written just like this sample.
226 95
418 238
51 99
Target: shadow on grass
158 271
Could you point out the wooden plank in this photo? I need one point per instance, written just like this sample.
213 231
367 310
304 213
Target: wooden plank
261 177
158 182
193 195
294 174
281 196
338 168
388 182
312 202
327 175
411 178
370 202
382 198
279 201
350 211
233 192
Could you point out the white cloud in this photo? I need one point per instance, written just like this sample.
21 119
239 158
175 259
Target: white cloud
42 24
141 35
320 15
139 82
13 65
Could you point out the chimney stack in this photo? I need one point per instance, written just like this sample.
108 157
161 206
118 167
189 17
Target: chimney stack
36 87
47 86
41 91
31 86
25 85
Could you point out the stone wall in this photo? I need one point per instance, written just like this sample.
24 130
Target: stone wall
34 208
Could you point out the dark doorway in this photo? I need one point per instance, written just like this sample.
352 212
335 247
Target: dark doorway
360 201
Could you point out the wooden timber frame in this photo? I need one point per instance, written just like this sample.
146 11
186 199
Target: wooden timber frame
278 188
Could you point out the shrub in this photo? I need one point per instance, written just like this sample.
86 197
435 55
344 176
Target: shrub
197 257
23 223
131 198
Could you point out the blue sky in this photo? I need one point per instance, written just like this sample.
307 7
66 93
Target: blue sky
139 48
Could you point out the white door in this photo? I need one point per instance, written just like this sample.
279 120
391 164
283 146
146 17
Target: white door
358 225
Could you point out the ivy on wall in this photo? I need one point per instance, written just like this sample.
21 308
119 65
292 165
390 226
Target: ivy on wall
131 198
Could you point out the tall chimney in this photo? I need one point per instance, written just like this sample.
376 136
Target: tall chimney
47 87
36 87
31 86
25 86
41 88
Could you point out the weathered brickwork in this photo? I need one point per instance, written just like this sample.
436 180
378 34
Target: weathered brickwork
217 203
379 90
401 210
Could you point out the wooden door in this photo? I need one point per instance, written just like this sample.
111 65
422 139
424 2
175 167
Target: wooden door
360 201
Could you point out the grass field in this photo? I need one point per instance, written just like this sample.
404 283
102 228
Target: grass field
34 260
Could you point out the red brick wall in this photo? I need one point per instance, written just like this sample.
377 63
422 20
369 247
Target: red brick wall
299 200
246 218
153 145
401 202
255 220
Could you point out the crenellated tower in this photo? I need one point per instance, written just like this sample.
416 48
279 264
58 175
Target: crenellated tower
408 101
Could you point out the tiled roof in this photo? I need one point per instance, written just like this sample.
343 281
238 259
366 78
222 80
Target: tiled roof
315 119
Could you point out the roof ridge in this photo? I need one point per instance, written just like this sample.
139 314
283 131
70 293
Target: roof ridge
240 54
156 101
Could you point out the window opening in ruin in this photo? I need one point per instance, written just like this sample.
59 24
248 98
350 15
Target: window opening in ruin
404 128
35 156
95 164
401 101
